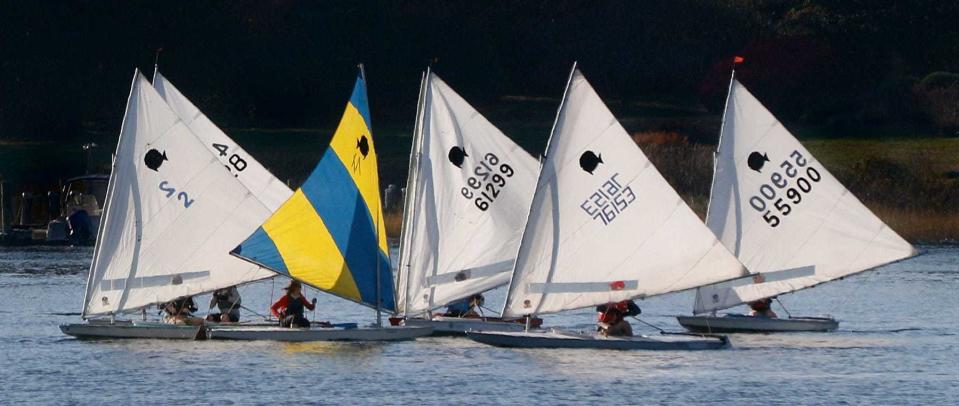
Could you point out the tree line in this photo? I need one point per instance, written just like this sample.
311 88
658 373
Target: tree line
848 67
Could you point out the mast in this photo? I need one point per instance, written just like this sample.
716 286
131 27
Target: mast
156 64
719 143
409 215
552 131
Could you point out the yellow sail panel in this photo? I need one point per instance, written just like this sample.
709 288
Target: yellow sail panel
308 249
353 144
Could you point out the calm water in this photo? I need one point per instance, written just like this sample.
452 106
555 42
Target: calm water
897 344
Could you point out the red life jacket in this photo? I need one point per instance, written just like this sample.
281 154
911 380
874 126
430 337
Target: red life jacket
611 316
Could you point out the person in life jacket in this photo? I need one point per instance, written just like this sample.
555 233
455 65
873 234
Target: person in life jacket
465 307
180 311
227 301
762 308
612 318
289 309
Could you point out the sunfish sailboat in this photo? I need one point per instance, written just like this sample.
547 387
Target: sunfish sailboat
786 218
605 226
468 193
173 212
330 235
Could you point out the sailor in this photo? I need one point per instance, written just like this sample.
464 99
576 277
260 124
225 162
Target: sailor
612 318
762 308
180 311
465 307
227 301
289 309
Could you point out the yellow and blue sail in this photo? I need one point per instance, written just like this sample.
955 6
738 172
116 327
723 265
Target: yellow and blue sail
330 234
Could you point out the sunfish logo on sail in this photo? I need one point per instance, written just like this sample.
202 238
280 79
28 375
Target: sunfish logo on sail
154 159
589 161
457 155
609 200
757 160
363 145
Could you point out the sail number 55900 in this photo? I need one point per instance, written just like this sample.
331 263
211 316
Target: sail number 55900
803 177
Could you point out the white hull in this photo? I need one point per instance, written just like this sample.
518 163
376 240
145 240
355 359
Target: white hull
318 333
564 339
127 329
746 324
460 326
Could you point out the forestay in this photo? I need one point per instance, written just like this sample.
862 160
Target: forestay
331 234
469 192
269 190
172 214
604 225
783 214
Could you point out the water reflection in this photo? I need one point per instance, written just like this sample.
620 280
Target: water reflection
329 349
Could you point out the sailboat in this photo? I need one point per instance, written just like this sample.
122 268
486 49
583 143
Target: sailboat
786 218
330 235
468 192
173 211
605 226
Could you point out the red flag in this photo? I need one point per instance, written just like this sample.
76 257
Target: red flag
738 59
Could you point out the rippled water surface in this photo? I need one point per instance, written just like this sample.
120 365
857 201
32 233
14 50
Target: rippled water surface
897 344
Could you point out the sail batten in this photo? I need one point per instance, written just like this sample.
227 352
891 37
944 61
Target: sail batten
172 213
469 192
604 225
777 208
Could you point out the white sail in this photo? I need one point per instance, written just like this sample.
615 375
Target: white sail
604 225
469 197
173 213
783 214
267 188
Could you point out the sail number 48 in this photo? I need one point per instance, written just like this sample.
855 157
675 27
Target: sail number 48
802 175
238 163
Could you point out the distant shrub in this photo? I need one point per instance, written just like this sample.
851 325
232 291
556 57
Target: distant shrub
909 184
939 80
686 166
938 94
659 137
